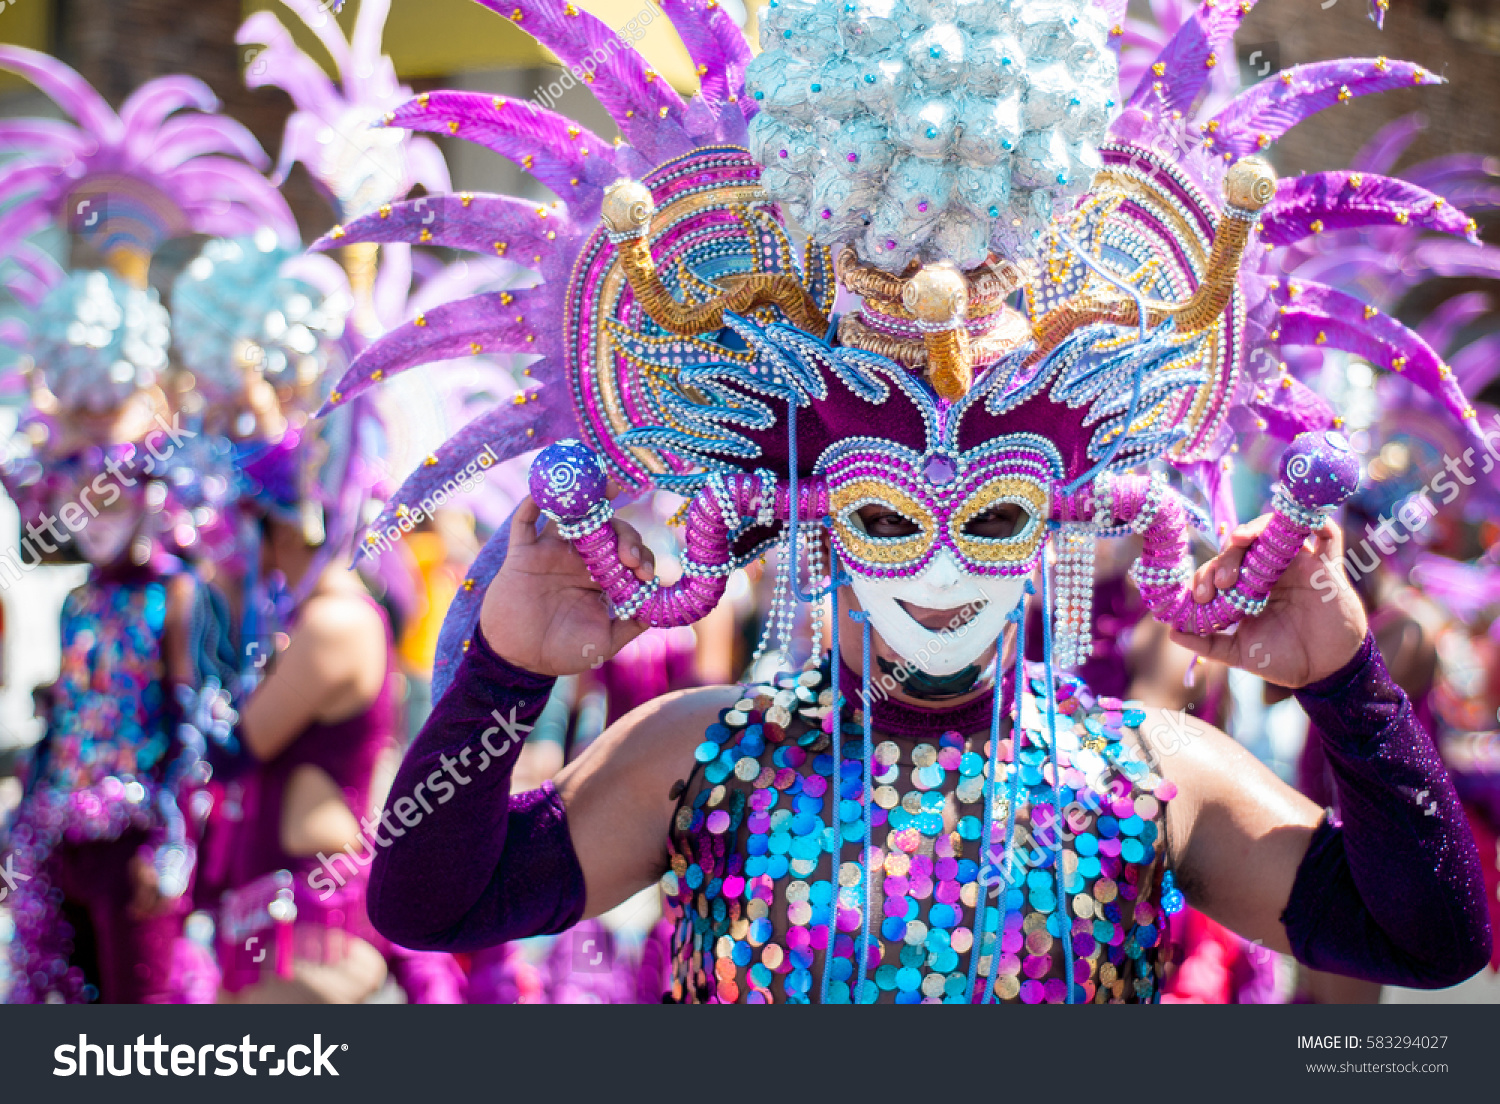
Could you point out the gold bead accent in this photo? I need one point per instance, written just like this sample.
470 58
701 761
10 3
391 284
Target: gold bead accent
1402 217
1160 68
520 399
530 432
500 248
1286 78
1382 64
426 235
1286 383
475 348
420 320
650 75
516 17
385 210
423 98
377 375
1316 226
334 398
1344 94
570 11
628 207
1398 363
1322 338
1356 179
1250 184
1117 30
663 112
506 298
702 69
466 198
499 102
468 584
1370 312
336 233
1262 140
1338 422
452 126
574 132
431 461
1212 126
1211 61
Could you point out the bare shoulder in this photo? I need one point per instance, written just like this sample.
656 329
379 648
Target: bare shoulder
653 744
342 617
1226 798
1204 762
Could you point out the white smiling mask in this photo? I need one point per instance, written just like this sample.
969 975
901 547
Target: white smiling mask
943 585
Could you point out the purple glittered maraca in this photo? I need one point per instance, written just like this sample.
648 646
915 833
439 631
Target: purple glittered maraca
1320 469
567 481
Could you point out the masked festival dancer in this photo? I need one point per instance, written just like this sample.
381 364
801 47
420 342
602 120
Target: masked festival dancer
827 836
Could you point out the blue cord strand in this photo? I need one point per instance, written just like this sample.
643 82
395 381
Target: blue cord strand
867 803
838 731
1062 898
980 908
1013 790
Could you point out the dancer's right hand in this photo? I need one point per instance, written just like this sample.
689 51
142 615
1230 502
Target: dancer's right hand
544 613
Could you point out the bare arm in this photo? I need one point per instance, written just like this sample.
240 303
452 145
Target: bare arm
618 792
332 668
1238 832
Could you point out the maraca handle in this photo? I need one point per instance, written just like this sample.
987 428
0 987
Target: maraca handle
568 483
1318 471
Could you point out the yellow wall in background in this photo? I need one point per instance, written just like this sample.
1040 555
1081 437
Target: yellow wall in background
24 23
431 38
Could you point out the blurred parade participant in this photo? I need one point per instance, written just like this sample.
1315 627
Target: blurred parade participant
107 827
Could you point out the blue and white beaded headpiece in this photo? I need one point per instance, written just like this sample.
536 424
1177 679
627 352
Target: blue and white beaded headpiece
938 130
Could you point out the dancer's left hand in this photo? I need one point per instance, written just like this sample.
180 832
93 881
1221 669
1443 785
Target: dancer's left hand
1313 622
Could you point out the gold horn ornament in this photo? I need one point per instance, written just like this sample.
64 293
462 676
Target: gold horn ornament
627 211
938 298
1248 186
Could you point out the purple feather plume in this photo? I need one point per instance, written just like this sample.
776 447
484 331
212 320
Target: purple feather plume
646 108
717 45
1380 153
502 434
1321 202
1321 316
1185 62
1268 110
564 156
496 226
491 322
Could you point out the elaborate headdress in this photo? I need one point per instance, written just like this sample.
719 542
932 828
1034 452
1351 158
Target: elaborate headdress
929 150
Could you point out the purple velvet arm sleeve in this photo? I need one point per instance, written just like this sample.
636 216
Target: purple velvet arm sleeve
475 866
1394 894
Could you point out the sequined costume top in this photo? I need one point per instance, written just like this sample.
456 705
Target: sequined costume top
108 740
759 820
